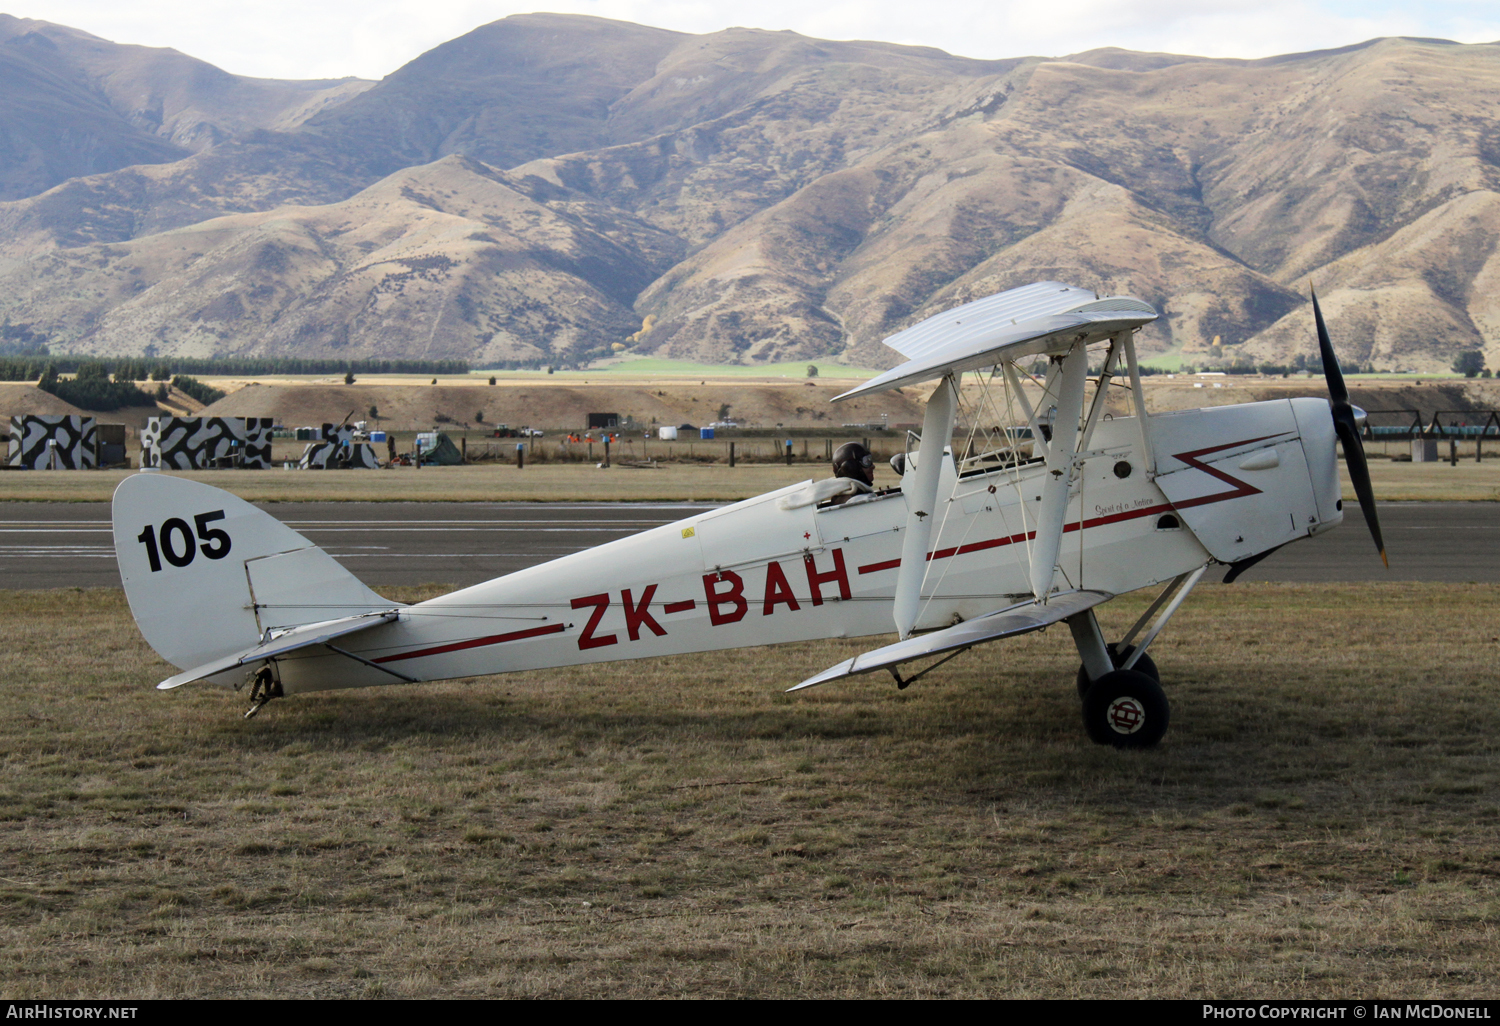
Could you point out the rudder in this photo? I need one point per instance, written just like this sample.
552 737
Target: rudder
206 573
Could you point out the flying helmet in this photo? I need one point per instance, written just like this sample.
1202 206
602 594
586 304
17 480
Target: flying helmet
853 460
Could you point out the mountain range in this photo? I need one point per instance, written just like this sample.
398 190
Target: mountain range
554 188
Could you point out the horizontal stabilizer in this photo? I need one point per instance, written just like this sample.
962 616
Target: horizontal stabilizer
287 641
1036 320
1003 623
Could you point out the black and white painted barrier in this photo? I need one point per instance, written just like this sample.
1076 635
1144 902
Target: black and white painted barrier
338 450
339 455
53 442
198 443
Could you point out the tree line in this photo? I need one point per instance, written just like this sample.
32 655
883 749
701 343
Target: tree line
93 388
144 368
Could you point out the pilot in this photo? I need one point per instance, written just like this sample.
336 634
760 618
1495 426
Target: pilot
854 461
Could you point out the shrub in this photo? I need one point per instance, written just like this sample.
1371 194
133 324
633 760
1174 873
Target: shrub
205 394
1469 363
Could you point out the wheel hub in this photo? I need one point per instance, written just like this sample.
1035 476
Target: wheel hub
1126 715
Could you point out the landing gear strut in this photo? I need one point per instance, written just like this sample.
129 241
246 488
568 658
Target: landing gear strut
263 687
1123 702
1119 657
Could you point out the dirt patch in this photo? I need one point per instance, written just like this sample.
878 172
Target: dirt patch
22 399
18 399
1428 397
405 404
567 406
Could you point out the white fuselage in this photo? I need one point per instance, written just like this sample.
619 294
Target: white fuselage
1228 483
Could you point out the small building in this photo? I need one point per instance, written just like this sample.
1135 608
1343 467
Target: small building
604 420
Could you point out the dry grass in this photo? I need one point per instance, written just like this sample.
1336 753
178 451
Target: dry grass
669 482
1433 482
1321 821
548 482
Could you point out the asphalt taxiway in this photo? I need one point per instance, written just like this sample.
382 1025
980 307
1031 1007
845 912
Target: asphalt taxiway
69 545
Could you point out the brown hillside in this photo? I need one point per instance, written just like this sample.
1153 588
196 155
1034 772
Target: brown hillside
537 188
455 254
75 104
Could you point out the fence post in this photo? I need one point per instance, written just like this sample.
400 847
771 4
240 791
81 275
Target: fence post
520 455
731 454
606 450
789 452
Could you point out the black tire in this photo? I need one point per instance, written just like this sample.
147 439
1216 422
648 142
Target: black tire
1126 709
1142 665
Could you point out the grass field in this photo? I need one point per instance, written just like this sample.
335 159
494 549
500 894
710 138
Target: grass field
1322 820
579 482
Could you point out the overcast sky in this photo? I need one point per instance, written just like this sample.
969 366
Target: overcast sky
371 38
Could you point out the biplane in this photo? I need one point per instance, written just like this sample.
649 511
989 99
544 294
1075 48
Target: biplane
1058 493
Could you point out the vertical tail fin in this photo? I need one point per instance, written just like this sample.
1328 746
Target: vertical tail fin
207 573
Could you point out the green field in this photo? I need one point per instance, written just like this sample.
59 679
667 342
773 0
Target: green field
1322 820
1170 361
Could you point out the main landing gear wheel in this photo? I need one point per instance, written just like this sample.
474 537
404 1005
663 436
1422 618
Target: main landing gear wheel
1127 709
1142 665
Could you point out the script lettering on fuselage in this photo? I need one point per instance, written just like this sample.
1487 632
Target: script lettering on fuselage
1124 507
723 595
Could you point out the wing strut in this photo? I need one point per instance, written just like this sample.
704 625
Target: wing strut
937 429
1038 440
1060 454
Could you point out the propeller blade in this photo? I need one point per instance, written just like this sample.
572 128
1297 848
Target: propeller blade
1346 425
1359 474
1337 391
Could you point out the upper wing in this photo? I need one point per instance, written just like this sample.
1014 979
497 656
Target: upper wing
1035 320
1003 623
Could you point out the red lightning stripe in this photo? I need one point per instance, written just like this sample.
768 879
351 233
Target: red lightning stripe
1239 491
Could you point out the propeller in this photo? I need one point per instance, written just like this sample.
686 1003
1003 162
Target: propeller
1346 422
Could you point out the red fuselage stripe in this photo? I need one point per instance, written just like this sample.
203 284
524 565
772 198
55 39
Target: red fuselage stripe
493 639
